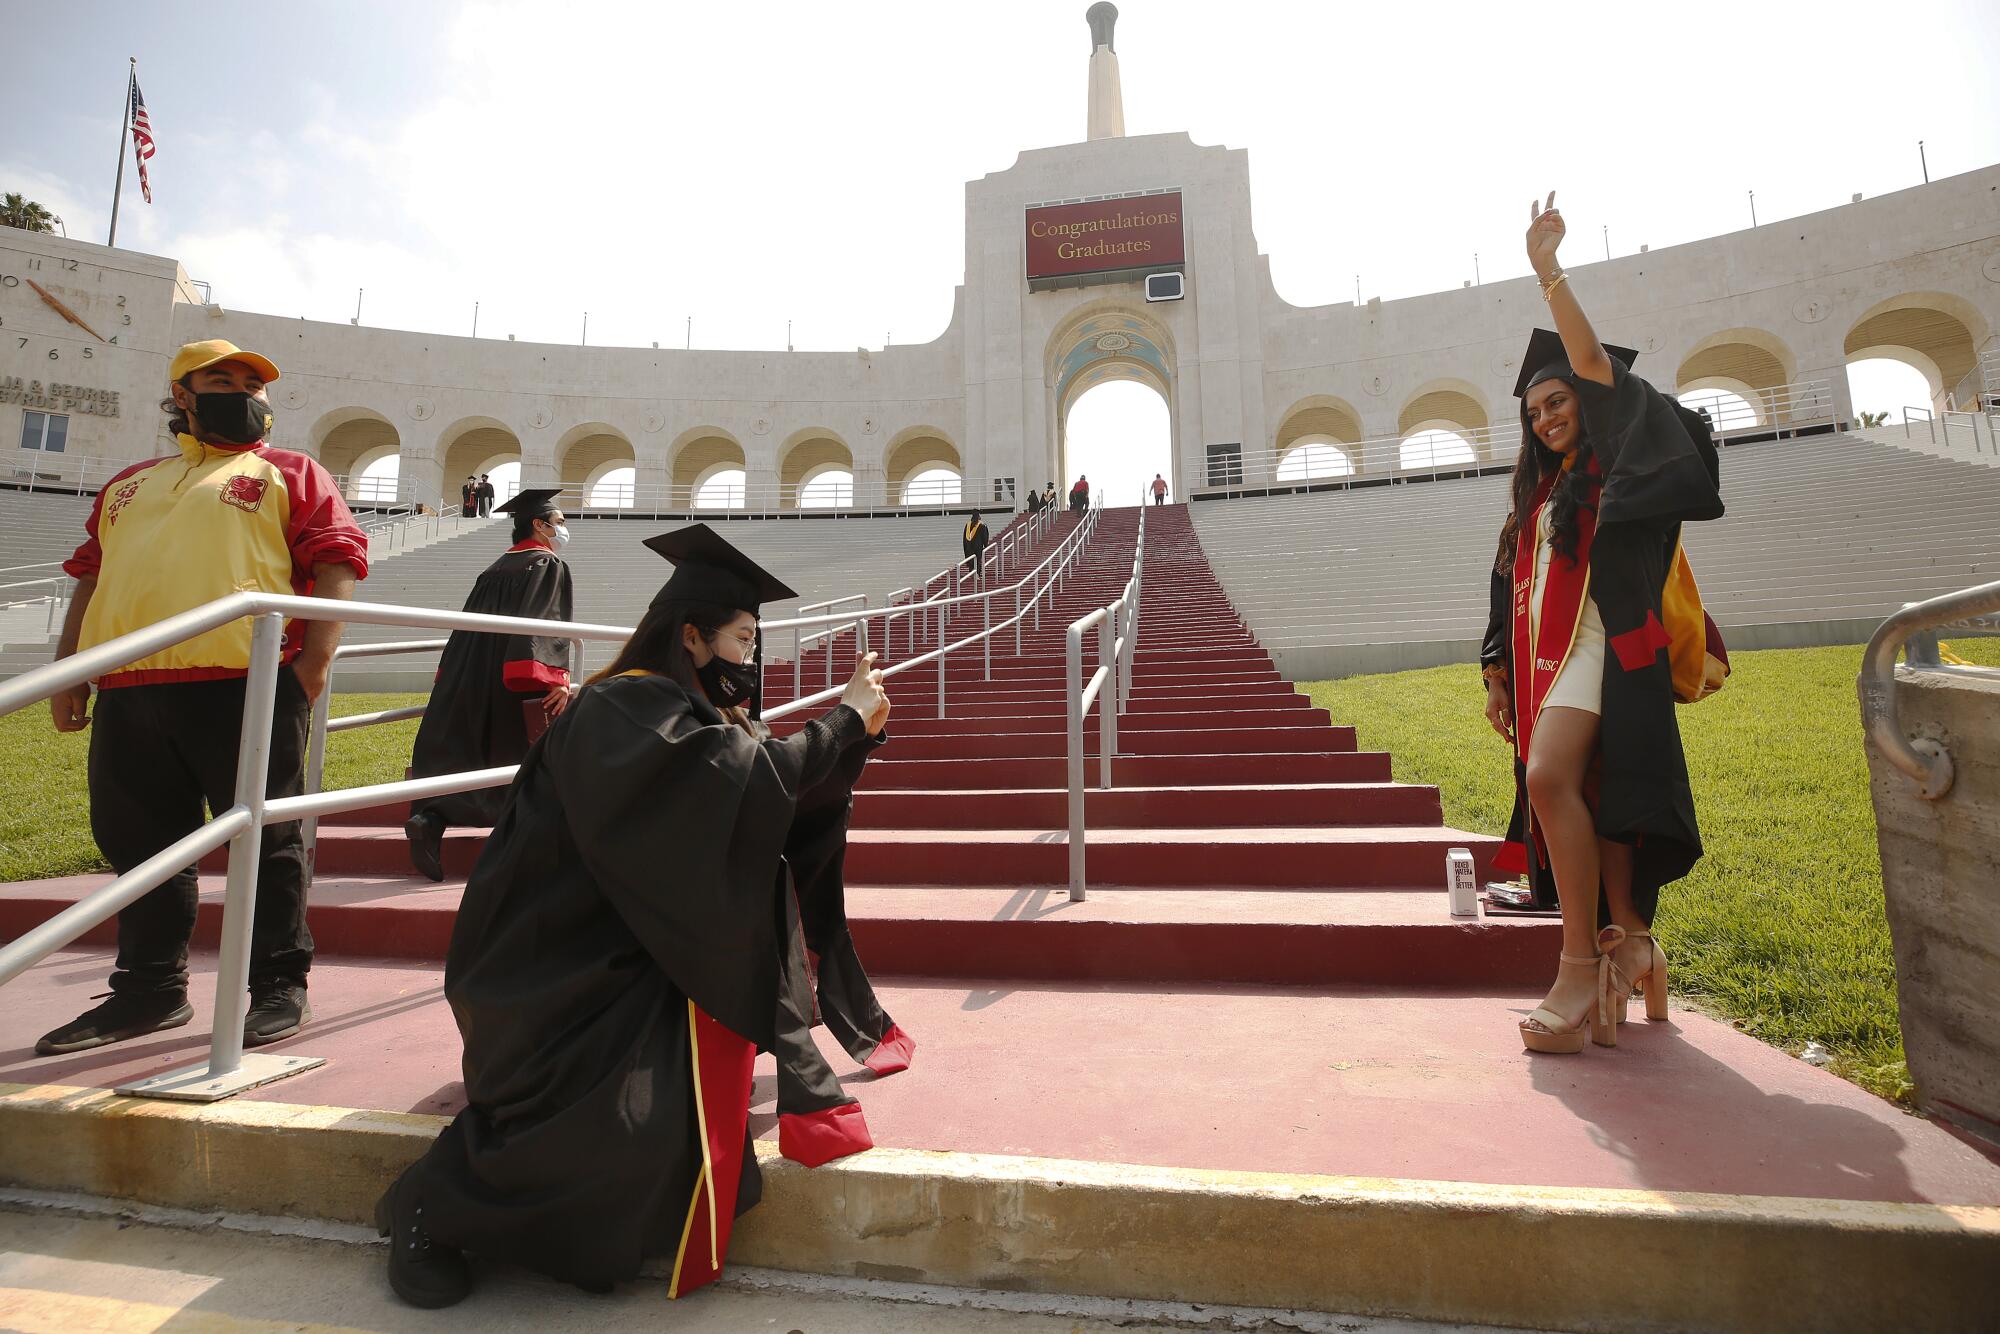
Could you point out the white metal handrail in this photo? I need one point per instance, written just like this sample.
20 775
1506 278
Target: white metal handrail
1924 760
1046 579
1117 626
227 1070
1938 426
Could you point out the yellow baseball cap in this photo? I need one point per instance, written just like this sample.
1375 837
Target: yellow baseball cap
193 356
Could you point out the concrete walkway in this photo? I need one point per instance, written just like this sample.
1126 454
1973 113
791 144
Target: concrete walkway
65 1272
1357 1082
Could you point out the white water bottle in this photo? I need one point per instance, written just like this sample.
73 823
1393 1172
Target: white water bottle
1460 884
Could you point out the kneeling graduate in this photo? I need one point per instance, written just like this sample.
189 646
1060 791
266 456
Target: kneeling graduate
627 943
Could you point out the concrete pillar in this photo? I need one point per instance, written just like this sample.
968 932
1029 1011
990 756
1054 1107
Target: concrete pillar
1107 102
1940 866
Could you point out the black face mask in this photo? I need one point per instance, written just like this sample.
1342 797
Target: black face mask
730 685
236 417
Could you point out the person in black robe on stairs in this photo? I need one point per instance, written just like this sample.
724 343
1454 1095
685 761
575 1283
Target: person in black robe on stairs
1577 658
973 546
494 693
628 941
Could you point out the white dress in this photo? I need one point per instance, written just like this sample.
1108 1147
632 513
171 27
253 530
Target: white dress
1580 683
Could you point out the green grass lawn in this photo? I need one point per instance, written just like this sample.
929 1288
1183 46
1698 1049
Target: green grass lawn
1780 928
45 813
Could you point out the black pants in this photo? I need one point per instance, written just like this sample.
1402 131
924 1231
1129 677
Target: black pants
157 753
1159 499
1078 504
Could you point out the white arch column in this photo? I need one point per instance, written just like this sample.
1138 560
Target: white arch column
421 469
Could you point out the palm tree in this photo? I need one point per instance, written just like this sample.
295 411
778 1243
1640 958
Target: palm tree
1871 420
20 211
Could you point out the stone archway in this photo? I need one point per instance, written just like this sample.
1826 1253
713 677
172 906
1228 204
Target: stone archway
808 454
1935 332
1102 342
695 456
914 450
584 456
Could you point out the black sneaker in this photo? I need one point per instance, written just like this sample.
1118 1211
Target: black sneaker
124 1015
426 835
422 1272
275 1012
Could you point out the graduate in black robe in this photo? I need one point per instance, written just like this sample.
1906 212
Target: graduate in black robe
973 545
494 693
1576 656
627 942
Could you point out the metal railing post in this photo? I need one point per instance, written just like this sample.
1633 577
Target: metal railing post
940 662
1017 620
1107 699
316 765
239 905
1073 689
986 644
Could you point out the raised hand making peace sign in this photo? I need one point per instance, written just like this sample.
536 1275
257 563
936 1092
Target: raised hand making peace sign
1545 233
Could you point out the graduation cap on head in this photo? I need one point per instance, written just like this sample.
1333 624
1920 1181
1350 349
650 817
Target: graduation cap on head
708 569
1546 360
537 502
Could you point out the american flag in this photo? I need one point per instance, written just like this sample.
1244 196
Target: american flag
142 137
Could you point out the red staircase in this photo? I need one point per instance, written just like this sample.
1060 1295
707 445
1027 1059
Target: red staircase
1246 839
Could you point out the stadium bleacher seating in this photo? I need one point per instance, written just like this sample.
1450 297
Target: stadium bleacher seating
1825 536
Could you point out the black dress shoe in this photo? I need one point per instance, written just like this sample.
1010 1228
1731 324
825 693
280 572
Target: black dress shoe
275 1012
426 835
421 1271
124 1015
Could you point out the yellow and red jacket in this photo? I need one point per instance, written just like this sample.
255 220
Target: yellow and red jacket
170 534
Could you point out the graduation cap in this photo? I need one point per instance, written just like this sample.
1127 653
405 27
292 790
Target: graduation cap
1546 360
537 502
708 569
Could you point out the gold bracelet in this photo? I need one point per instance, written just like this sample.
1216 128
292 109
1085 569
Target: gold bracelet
1492 672
1549 287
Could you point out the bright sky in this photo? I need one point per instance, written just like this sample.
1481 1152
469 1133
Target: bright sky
752 164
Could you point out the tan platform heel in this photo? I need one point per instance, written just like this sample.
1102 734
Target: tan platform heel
1650 980
1546 1031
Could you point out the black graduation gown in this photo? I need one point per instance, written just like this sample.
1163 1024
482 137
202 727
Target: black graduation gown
973 546
475 718
634 887
1660 469
816 852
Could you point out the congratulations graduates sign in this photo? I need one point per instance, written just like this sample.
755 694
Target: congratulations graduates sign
1105 236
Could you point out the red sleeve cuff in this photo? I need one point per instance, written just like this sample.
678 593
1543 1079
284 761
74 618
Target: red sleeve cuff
817 1138
1638 648
525 676
893 1053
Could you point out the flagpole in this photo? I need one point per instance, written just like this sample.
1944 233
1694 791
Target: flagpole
124 128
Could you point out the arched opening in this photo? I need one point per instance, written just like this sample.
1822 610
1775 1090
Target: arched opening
377 480
829 488
1882 387
1439 426
922 454
1312 457
354 441
1119 434
1752 366
1436 446
611 488
722 488
695 459
1729 405
586 457
476 445
933 486
811 455
1111 376
1933 332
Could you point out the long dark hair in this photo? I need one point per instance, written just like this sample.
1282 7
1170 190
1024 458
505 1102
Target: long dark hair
177 416
655 645
1536 461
